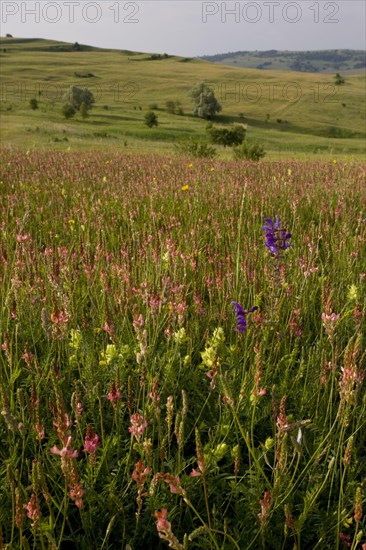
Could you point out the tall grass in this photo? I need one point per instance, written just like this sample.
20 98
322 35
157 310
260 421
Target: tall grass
134 414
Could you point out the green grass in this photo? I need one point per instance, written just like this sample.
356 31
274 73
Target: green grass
127 83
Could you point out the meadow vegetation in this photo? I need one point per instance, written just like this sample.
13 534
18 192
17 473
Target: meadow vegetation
141 407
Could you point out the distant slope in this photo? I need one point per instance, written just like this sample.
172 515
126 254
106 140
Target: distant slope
318 61
288 113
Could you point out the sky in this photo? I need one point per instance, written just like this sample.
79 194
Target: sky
191 27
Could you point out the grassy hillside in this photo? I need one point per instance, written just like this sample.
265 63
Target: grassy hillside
322 61
324 120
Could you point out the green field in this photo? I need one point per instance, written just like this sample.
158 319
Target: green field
326 121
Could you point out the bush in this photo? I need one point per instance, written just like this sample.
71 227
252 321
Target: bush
33 103
228 137
174 107
249 151
68 110
154 107
151 119
196 149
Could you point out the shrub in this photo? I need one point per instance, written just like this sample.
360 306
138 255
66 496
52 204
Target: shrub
174 107
68 110
151 119
196 149
33 103
228 137
249 151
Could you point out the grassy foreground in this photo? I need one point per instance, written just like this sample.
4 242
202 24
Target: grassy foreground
134 413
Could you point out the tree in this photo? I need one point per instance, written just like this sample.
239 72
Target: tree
228 137
33 103
76 96
68 110
339 80
205 104
151 119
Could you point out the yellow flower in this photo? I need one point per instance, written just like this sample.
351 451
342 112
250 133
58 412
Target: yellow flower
185 187
353 293
104 179
212 169
190 165
334 161
289 172
71 222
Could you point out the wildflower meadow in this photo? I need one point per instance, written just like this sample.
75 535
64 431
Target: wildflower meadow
182 353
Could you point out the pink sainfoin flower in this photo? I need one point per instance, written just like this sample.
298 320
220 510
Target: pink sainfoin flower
77 493
352 374
173 482
65 451
114 394
282 420
138 425
164 529
345 540
258 390
139 475
109 328
32 508
265 504
329 320
91 444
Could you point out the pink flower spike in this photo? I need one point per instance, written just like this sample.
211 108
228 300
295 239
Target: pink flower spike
195 473
162 523
65 451
138 425
91 443
174 486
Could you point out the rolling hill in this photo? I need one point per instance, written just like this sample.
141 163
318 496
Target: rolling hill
290 113
316 61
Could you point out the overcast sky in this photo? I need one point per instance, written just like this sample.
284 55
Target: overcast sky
191 27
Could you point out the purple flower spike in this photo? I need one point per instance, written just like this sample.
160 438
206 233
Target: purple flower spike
241 322
276 238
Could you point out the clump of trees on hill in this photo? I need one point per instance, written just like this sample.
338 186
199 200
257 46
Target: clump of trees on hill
78 100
